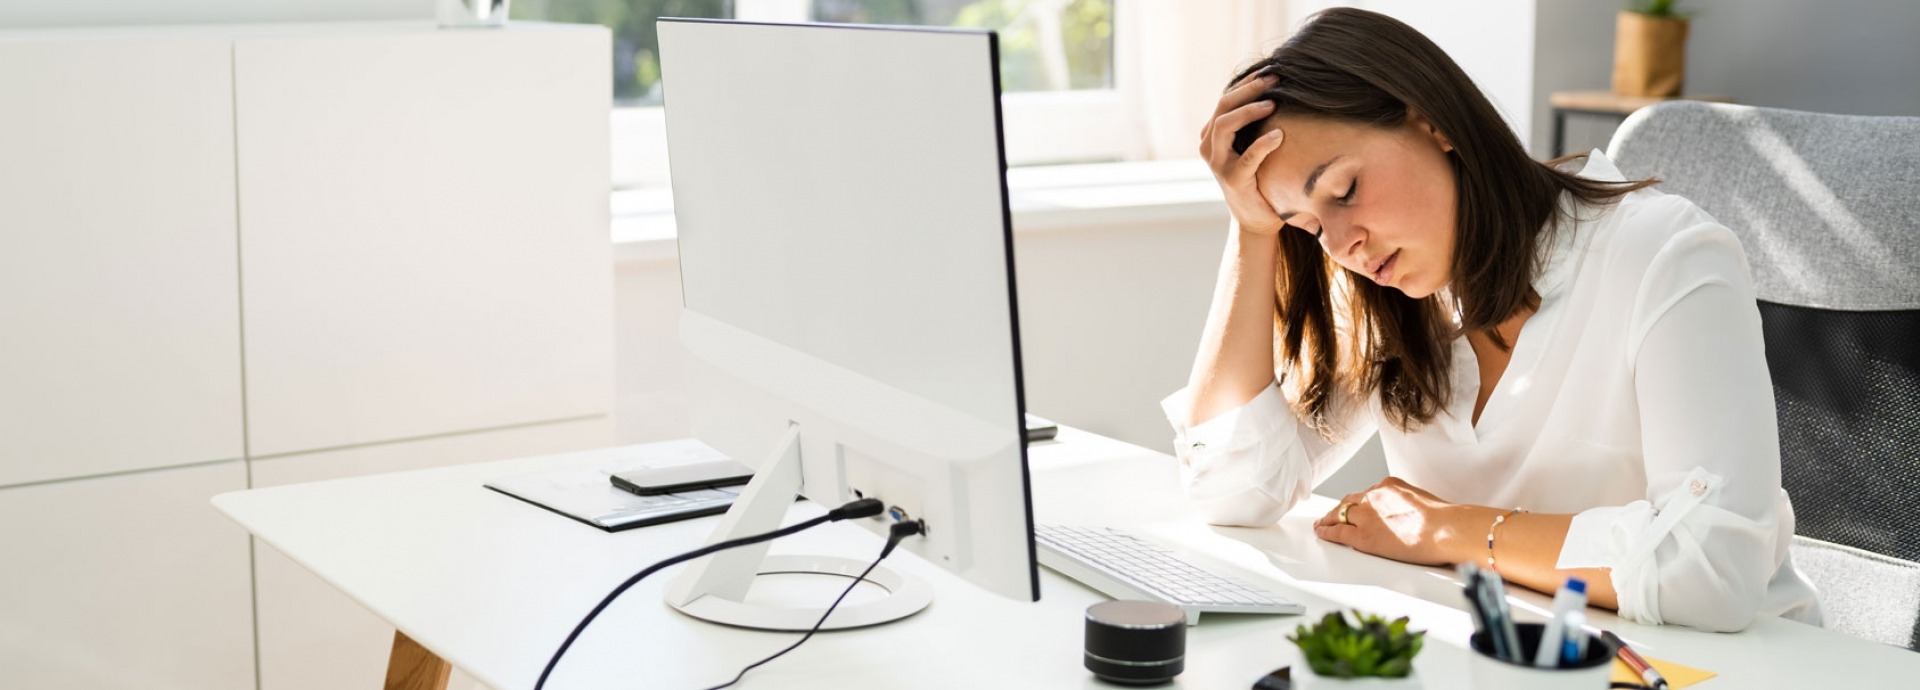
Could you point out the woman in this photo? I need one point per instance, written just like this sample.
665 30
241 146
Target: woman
1565 369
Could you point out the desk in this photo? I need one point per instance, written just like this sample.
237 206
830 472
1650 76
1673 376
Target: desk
492 585
1564 103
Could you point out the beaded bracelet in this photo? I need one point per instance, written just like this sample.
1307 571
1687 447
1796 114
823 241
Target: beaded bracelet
1490 531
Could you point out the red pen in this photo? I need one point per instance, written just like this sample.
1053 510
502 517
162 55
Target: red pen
1634 661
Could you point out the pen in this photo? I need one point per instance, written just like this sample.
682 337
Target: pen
1503 616
1469 587
1478 603
1636 663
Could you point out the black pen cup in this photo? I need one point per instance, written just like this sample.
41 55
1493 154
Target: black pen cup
1593 672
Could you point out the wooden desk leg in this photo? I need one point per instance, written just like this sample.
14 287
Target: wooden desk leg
412 667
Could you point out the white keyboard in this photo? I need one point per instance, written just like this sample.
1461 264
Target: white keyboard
1123 566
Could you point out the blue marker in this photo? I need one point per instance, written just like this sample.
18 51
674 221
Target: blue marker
1571 599
1575 648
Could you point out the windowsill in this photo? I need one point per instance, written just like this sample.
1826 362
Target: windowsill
1044 199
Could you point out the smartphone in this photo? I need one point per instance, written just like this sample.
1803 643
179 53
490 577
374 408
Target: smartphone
1040 429
653 481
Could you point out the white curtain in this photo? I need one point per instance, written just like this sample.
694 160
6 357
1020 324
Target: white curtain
1183 52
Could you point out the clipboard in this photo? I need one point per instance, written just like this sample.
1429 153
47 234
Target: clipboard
587 494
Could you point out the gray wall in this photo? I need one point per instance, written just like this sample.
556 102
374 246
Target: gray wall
31 14
1573 51
1857 57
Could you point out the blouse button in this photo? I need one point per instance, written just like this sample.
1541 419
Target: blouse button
1699 487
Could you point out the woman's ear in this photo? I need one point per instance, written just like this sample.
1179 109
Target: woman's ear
1421 124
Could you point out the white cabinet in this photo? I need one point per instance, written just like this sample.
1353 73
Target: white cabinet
235 255
128 581
424 231
119 298
119 354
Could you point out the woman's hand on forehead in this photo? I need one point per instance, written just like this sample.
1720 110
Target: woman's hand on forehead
1238 108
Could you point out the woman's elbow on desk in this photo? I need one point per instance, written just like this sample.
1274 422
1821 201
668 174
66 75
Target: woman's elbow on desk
1719 593
1229 496
1243 489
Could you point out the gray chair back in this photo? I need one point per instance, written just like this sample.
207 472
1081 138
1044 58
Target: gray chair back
1828 210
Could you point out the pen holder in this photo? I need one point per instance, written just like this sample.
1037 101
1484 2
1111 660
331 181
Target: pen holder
1593 672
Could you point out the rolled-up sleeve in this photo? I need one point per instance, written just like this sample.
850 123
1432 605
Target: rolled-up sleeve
1703 546
1249 465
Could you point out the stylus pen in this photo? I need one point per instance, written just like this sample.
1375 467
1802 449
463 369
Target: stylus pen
1636 663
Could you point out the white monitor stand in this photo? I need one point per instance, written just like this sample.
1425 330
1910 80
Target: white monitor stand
715 588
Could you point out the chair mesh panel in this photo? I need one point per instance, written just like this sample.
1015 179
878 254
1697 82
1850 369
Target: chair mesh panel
1847 388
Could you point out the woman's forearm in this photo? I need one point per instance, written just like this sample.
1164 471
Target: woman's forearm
1236 349
1526 547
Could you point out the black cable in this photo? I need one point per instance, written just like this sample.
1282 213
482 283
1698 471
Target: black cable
866 507
899 531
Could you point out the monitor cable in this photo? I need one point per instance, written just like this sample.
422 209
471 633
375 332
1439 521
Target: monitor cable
866 507
897 533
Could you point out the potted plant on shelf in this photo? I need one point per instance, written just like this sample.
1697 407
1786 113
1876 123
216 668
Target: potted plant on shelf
1368 653
1650 50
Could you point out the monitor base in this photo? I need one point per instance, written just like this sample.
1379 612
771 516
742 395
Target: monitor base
715 588
905 596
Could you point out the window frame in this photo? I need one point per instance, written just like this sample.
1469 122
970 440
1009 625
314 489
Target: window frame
1077 126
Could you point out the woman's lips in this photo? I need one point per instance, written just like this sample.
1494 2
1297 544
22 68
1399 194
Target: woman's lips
1384 274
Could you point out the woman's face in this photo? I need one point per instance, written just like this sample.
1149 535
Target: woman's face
1380 200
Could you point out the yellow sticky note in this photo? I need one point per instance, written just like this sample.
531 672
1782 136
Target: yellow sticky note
1677 676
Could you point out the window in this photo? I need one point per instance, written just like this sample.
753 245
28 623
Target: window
636 46
1045 45
1060 101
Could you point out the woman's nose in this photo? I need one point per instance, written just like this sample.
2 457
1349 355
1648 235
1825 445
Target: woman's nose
1342 240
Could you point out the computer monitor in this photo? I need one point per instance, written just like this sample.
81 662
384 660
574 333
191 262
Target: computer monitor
846 263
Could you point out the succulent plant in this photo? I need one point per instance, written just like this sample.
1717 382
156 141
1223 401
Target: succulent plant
1655 8
1370 647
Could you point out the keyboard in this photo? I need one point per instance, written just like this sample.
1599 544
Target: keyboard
1124 566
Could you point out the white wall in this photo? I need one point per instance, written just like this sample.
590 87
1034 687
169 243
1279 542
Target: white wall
29 14
1492 40
1110 320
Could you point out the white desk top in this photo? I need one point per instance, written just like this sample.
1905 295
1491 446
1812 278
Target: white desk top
493 585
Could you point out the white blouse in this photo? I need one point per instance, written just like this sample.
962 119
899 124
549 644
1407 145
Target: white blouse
1637 399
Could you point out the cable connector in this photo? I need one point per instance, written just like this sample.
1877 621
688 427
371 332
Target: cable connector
899 533
863 508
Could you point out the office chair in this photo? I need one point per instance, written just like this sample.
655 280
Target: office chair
1828 209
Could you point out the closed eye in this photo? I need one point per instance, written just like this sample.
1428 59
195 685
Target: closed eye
1352 188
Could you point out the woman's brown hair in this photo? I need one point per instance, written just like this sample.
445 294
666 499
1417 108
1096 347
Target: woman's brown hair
1365 68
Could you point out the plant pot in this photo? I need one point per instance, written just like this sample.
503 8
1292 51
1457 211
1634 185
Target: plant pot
1649 55
1305 679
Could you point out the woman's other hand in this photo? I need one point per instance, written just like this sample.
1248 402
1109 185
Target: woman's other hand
1241 106
1397 520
